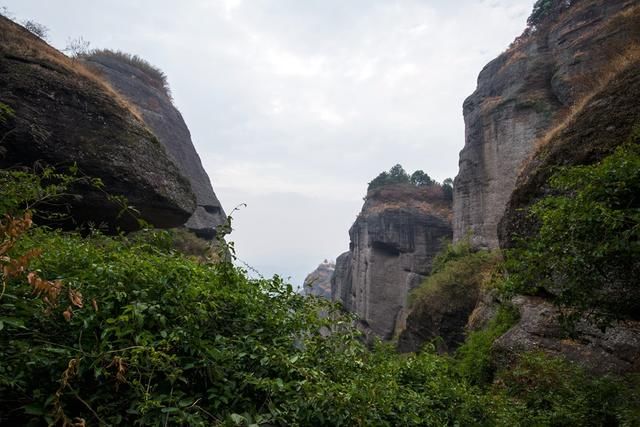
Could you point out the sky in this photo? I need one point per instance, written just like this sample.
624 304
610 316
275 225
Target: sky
295 105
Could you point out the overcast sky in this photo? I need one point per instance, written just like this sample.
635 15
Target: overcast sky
294 105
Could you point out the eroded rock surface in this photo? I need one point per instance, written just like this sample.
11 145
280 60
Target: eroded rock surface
64 114
148 94
393 242
318 282
525 92
617 350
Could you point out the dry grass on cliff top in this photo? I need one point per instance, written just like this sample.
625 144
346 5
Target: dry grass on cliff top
426 199
20 43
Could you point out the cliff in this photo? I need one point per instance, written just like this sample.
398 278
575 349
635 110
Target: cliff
393 241
525 92
145 87
65 114
318 282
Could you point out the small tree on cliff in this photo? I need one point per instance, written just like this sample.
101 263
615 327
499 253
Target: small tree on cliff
419 178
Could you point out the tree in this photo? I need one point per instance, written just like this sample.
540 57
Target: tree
447 188
419 178
37 29
77 47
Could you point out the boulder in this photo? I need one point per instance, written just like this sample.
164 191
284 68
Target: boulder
64 114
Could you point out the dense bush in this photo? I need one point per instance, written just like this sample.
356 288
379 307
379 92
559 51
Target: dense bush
549 391
98 330
458 272
473 358
587 250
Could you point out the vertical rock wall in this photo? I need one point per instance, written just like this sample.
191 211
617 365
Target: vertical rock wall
393 242
523 94
150 97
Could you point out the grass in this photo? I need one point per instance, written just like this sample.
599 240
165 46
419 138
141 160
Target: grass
157 77
20 42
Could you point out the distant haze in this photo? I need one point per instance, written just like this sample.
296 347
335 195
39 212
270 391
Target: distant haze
295 105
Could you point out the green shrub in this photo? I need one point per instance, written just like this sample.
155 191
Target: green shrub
549 391
458 271
473 358
587 250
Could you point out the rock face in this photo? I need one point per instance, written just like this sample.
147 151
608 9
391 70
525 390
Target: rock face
615 351
318 282
65 114
607 120
522 94
143 86
393 241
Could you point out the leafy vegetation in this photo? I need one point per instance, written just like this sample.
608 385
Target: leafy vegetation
587 250
549 391
545 8
397 175
458 270
125 330
474 356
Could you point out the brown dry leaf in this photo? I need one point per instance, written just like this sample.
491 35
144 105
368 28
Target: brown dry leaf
68 314
94 303
76 298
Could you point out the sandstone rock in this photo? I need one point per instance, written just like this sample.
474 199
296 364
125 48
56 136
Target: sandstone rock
617 350
393 241
525 92
64 114
147 92
318 282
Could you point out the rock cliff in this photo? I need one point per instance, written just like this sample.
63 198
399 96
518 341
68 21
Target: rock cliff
318 282
525 92
144 86
393 241
65 114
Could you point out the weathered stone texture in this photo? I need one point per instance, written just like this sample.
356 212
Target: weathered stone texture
163 118
520 96
393 242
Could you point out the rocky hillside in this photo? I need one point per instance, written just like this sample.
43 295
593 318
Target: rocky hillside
145 87
318 282
525 92
393 241
60 113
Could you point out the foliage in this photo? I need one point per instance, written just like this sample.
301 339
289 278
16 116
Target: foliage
141 335
6 112
458 273
542 9
473 358
419 178
549 391
587 250
397 175
37 29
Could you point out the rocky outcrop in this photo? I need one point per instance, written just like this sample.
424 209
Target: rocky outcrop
318 282
607 120
617 350
393 242
144 87
64 114
525 92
